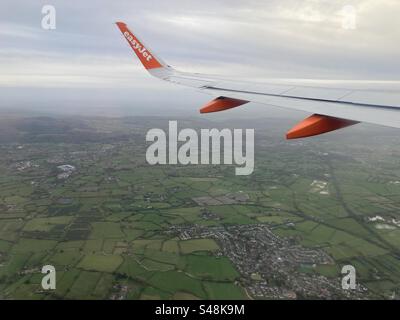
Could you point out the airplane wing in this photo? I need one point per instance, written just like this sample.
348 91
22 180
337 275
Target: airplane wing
332 105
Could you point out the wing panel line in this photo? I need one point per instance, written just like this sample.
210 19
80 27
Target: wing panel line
304 98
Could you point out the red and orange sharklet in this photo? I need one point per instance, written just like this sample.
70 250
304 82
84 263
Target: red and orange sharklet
148 60
221 104
317 124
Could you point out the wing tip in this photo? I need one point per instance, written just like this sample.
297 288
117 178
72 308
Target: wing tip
146 57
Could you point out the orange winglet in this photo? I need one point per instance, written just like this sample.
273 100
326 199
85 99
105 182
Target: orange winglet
221 104
317 124
148 60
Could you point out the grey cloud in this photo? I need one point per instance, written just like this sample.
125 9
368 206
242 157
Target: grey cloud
260 39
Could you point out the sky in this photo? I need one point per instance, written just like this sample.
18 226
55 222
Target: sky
85 65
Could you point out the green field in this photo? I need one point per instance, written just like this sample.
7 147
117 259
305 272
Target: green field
118 228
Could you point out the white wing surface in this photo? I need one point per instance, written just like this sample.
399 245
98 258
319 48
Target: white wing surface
333 104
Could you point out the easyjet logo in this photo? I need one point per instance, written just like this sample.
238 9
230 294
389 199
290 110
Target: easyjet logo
137 46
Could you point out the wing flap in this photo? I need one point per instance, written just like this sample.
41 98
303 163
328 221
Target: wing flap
221 104
317 124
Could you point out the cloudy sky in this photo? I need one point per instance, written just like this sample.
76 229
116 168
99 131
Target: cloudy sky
86 64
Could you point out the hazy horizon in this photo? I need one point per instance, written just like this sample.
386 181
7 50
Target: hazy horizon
85 66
